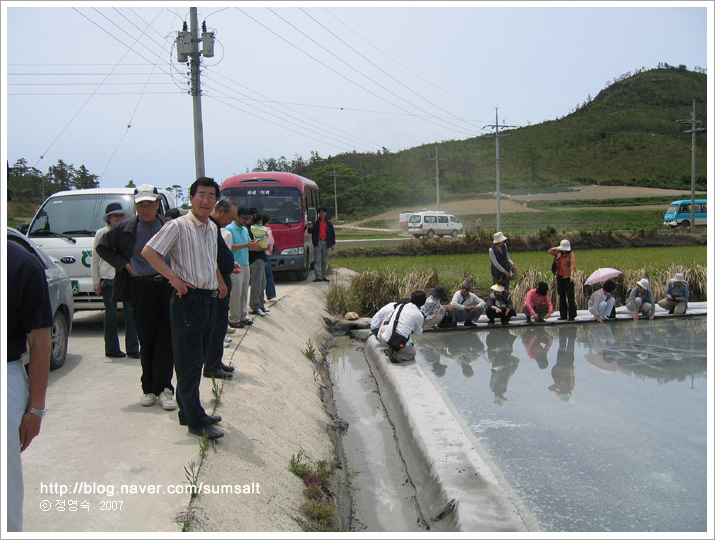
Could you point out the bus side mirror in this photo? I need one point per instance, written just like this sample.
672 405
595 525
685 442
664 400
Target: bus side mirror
312 214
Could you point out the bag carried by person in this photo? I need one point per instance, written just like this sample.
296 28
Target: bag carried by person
397 341
555 265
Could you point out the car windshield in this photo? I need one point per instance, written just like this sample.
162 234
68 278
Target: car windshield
672 209
76 215
283 204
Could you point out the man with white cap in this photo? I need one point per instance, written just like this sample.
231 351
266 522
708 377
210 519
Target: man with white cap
676 295
503 268
148 291
640 300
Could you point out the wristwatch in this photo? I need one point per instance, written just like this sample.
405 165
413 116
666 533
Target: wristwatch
38 412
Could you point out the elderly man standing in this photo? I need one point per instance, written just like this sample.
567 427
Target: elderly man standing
223 214
191 242
149 293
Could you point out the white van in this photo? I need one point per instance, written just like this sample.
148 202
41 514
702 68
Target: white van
433 223
64 228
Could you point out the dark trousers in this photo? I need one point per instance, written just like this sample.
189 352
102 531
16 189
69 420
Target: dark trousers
491 314
270 282
214 352
192 318
111 339
150 309
567 302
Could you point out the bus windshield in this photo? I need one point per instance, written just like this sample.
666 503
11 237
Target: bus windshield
283 204
76 215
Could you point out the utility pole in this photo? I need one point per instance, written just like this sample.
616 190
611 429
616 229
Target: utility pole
498 167
187 48
335 189
436 164
692 130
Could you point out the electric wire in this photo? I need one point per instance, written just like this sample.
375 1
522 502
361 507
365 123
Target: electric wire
453 127
382 70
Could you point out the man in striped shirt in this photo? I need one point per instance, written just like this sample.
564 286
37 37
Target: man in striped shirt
190 241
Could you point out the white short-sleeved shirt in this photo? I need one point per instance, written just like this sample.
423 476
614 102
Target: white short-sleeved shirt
191 245
411 320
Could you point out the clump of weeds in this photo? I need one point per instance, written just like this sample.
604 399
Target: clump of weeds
319 507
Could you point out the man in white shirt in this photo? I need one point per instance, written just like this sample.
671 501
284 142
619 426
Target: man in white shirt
191 241
409 321
466 306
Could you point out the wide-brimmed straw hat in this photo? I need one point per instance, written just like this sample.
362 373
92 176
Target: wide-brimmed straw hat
497 287
678 277
499 237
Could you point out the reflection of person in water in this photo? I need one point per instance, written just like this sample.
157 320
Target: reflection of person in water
537 343
500 344
563 370
432 355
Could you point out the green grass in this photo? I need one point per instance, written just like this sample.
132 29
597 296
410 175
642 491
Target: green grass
451 268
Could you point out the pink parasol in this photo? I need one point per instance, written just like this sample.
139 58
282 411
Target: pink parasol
602 274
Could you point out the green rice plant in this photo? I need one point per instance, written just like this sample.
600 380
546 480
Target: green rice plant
310 351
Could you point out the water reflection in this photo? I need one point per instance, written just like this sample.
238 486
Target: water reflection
634 428
663 350
563 371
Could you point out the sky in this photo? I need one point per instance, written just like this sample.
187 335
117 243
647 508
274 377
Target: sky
288 79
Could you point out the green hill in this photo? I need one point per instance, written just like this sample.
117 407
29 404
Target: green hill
626 135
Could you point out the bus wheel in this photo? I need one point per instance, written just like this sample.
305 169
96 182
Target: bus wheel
302 275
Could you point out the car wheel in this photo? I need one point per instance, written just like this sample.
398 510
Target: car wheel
455 233
685 224
430 234
60 337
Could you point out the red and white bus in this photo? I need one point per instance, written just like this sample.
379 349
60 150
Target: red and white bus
292 201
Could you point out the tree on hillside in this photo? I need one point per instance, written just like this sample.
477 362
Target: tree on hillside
83 179
61 175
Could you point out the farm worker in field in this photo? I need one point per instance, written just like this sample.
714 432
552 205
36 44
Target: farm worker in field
323 242
537 303
676 295
433 310
640 300
499 304
602 301
565 268
479 224
503 268
466 306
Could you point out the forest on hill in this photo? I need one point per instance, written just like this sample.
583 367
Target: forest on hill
626 135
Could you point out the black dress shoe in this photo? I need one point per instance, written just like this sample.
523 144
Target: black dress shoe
119 354
218 374
561 319
212 432
326 279
227 369
236 324
469 323
212 419
134 355
316 280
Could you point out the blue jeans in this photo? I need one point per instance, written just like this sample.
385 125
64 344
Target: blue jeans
111 339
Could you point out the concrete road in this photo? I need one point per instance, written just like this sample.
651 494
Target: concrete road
96 438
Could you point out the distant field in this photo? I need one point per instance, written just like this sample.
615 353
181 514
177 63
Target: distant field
451 268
